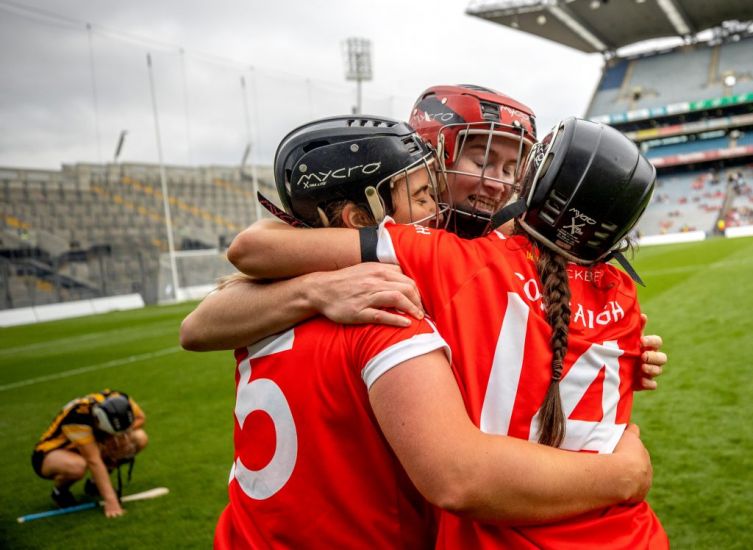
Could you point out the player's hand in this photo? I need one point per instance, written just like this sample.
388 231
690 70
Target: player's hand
113 509
635 465
653 359
359 294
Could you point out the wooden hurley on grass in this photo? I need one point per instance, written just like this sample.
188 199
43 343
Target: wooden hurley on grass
144 495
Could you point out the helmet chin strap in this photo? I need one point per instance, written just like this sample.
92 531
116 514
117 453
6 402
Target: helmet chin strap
623 261
470 226
467 225
508 212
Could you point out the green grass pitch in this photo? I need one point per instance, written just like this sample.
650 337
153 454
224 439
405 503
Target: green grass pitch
698 426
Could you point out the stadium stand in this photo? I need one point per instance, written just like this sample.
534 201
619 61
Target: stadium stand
89 231
691 126
689 106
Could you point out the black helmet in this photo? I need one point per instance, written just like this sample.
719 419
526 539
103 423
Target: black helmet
585 187
114 414
344 158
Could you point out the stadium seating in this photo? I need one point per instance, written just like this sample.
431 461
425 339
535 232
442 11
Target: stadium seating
694 122
734 57
641 82
90 230
692 201
741 206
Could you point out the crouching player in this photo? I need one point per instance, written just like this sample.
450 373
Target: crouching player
95 433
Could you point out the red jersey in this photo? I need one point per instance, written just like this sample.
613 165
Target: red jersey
312 469
485 297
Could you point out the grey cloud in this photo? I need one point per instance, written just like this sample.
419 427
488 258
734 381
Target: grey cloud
47 109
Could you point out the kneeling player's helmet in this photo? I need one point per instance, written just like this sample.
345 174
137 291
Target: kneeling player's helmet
448 117
585 187
114 414
341 158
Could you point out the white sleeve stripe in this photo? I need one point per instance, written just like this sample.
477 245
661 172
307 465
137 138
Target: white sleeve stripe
419 344
385 249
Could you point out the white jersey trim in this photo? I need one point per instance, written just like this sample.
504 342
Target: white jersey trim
282 341
392 356
385 249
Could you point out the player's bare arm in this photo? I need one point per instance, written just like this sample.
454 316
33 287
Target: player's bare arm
247 311
274 250
91 453
244 312
460 469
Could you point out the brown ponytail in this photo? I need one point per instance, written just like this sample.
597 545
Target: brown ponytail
556 295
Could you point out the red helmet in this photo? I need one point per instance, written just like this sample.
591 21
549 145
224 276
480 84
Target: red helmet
447 110
453 117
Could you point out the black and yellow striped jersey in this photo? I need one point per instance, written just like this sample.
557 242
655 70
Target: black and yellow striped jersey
75 424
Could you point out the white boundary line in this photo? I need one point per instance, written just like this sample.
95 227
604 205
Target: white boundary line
90 368
135 333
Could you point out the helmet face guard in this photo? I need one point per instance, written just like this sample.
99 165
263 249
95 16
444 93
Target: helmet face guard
485 175
114 414
481 138
585 187
356 159
414 193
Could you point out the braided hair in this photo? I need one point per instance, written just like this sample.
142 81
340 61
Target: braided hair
552 271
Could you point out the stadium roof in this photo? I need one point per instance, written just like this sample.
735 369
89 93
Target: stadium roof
602 26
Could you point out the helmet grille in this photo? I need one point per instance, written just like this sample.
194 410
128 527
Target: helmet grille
371 123
477 88
489 111
604 234
552 207
411 145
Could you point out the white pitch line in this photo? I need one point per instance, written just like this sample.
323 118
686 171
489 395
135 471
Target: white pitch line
90 368
121 334
49 343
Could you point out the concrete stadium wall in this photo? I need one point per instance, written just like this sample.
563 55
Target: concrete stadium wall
198 292
744 231
693 236
67 310
669 238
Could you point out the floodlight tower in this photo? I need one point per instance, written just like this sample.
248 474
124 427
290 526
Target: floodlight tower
357 53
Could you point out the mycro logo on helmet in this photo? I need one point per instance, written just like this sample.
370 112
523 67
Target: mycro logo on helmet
575 227
511 111
578 215
318 179
442 117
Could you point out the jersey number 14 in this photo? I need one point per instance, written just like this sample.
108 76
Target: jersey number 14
497 410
